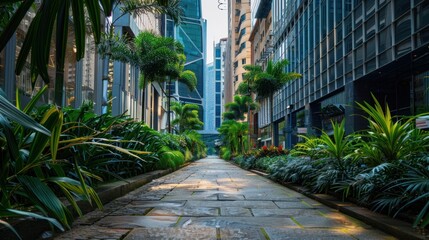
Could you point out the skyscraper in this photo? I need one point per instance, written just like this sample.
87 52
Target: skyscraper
192 34
347 50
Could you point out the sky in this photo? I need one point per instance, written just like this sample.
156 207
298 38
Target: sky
217 24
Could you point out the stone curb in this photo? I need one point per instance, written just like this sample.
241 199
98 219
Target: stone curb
32 228
397 228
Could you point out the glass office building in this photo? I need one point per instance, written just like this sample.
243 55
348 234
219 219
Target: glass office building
192 34
347 50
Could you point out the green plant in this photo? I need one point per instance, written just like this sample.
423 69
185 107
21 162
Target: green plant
311 147
33 177
186 117
339 145
389 137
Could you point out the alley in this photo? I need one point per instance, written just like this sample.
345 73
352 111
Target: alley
213 199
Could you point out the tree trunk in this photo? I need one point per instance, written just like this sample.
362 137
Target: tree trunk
143 98
271 118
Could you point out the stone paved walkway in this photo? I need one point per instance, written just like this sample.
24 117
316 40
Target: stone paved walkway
213 199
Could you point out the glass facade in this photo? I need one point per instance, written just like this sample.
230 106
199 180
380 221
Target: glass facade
348 44
191 33
333 43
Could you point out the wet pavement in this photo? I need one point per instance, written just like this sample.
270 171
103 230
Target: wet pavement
213 199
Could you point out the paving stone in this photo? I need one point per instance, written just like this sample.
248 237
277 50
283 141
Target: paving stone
191 202
291 212
138 221
368 234
172 233
300 204
228 197
245 204
237 222
305 234
195 212
316 222
93 232
241 234
131 211
235 211
158 203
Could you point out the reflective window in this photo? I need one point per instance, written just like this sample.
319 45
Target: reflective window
348 62
218 52
384 40
385 57
347 7
218 76
358 36
218 64
384 17
347 25
323 19
422 15
331 57
218 89
403 48
422 37
370 27
358 72
370 66
358 15
324 63
401 6
359 56
402 29
340 68
338 11
370 49
339 49
218 99
348 44
339 32
369 7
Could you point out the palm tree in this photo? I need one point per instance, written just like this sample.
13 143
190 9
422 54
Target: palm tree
186 117
56 14
233 135
240 106
158 58
266 83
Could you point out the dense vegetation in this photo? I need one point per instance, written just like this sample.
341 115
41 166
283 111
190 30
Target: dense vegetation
52 157
385 168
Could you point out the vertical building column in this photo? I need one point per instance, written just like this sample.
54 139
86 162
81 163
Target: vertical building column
350 110
98 84
78 84
10 77
117 87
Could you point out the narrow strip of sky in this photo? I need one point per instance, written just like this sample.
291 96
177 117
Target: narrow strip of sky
217 23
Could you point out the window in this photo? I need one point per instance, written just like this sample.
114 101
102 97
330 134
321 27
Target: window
370 49
218 75
403 48
218 89
402 29
339 49
347 25
348 61
243 61
348 44
401 7
218 99
217 52
422 15
358 15
358 36
359 56
385 58
384 40
340 68
369 7
370 27
384 17
370 66
218 66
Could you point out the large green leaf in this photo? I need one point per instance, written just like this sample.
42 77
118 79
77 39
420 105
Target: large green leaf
8 110
43 196
14 22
